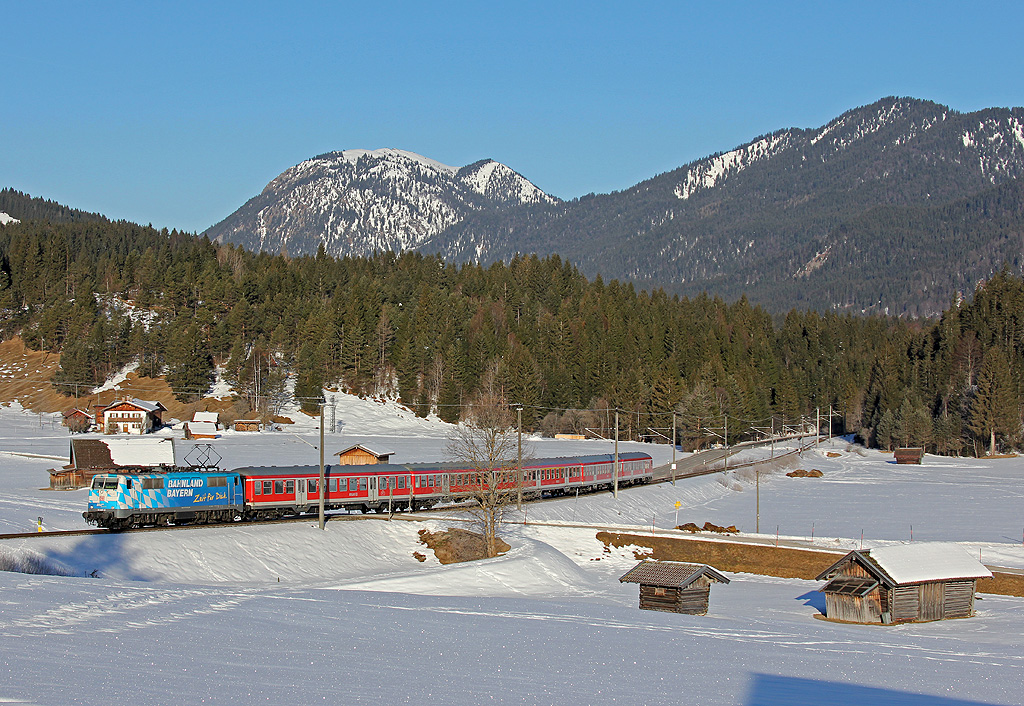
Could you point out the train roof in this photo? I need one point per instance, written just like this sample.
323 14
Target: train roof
403 468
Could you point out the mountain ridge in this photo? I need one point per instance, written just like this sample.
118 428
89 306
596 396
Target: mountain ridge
734 223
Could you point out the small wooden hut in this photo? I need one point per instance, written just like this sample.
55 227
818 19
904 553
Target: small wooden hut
909 455
359 455
674 587
901 584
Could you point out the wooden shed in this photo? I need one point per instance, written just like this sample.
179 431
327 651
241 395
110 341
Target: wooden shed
359 455
674 587
902 584
89 457
77 420
909 455
247 425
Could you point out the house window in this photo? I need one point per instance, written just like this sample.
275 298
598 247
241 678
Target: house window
659 591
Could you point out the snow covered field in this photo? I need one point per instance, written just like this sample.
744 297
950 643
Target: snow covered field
287 613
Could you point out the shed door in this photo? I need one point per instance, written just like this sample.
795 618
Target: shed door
931 601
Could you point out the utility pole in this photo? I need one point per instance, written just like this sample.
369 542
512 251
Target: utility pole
757 484
615 467
726 440
519 456
817 425
674 451
321 488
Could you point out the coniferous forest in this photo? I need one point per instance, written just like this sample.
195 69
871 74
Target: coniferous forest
533 331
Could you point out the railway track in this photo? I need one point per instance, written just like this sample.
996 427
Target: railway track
696 465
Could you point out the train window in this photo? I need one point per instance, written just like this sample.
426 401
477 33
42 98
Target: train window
147 483
352 485
311 485
384 483
217 482
401 482
362 483
128 483
266 487
430 481
289 486
373 483
334 485
278 487
257 488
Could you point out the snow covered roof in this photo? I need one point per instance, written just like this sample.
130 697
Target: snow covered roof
201 428
113 452
141 452
928 561
918 562
213 417
367 449
146 405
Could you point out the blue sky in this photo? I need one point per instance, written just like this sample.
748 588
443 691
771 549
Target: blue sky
175 113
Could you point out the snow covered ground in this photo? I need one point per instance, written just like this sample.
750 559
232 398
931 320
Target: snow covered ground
289 613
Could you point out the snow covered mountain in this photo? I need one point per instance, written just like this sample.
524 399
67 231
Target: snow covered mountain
776 218
857 215
357 202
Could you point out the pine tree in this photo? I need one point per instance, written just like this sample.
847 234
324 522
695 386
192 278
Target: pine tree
189 365
996 408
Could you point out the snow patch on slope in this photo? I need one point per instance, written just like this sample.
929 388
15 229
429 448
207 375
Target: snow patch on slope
5 219
715 170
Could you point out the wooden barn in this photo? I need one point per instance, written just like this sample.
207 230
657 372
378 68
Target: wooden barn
78 420
90 457
909 455
674 587
359 455
902 584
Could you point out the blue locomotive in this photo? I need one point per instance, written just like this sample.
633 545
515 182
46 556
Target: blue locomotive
120 501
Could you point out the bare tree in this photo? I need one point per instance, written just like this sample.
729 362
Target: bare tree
487 443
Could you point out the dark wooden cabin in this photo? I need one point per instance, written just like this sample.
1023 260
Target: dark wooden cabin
673 586
909 455
902 584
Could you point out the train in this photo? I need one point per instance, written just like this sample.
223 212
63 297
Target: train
129 500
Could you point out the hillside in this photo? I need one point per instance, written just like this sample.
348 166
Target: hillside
358 202
755 220
25 377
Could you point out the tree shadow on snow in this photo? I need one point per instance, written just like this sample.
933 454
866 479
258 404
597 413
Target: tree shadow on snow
814 599
774 690
99 555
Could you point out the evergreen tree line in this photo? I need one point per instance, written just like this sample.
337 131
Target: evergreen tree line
531 331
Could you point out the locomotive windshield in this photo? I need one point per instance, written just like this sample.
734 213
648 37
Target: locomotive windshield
104 483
